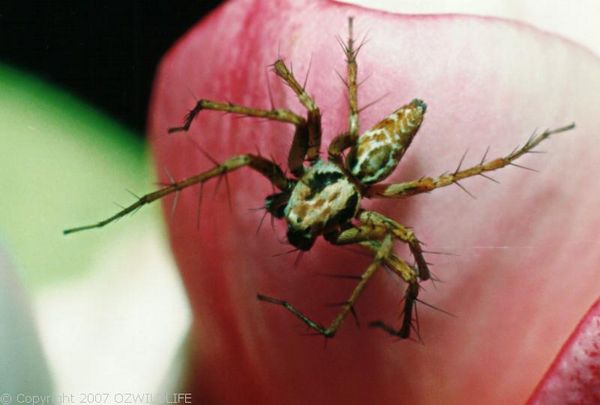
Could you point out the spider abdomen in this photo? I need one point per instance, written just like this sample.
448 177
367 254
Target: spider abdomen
323 197
379 150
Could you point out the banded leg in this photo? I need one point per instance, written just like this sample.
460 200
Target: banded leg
402 233
426 184
307 137
264 166
383 251
299 145
410 276
313 121
348 139
375 226
351 81
281 115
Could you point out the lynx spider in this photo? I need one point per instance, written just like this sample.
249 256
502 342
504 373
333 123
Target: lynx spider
323 198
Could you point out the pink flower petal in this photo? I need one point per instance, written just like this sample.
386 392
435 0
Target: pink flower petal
574 377
527 248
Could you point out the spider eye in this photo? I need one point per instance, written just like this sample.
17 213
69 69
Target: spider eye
301 239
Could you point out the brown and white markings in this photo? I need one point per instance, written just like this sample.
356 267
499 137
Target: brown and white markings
323 197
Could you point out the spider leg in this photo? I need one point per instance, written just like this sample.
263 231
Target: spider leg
307 140
301 135
348 139
281 115
410 297
410 276
402 233
382 251
307 136
264 166
351 75
426 184
374 225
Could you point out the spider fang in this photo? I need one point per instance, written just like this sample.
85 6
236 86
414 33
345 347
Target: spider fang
323 197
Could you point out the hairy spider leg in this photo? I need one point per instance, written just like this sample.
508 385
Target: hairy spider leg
375 234
426 184
307 139
347 139
266 167
403 332
280 114
383 251
351 75
408 275
373 226
402 233
411 277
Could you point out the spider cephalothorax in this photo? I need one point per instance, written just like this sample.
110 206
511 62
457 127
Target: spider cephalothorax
323 197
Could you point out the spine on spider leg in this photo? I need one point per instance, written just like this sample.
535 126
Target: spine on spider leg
281 115
348 139
313 121
264 166
426 184
351 80
372 218
394 263
282 71
410 298
379 150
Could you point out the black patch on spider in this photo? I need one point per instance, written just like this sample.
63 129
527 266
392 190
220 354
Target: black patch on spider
351 159
319 181
275 204
301 239
346 214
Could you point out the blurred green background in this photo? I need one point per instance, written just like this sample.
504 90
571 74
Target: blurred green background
101 310
63 164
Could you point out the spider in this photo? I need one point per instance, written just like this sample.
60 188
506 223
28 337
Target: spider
323 197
